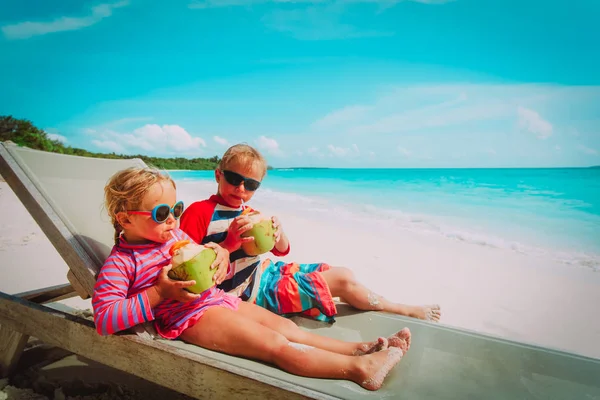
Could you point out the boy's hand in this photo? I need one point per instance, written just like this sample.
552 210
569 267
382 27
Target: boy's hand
167 288
221 262
239 225
277 227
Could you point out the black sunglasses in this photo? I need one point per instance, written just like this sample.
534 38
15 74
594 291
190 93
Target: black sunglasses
235 179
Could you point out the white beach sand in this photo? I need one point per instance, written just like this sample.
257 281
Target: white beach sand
489 290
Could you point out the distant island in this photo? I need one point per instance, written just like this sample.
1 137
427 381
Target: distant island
24 133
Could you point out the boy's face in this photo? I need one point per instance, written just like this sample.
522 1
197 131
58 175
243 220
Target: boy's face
236 195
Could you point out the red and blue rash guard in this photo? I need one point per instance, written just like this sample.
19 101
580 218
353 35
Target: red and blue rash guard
120 300
208 221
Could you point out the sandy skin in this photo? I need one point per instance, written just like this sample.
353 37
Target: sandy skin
343 284
378 367
428 313
383 355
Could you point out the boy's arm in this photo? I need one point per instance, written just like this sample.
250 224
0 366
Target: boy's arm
113 310
282 247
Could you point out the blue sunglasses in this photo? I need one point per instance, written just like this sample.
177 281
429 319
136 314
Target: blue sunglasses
161 212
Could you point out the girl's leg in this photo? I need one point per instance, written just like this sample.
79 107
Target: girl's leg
342 284
293 333
231 332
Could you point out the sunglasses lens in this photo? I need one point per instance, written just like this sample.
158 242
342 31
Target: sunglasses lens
251 184
178 210
162 213
232 178
235 179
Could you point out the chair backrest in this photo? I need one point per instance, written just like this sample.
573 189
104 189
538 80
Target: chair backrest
65 196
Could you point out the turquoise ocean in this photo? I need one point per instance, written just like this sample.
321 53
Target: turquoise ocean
552 212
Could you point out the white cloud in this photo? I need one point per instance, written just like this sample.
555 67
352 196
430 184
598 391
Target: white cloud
270 145
338 151
404 152
343 151
315 152
316 23
151 138
27 29
169 137
109 145
454 107
313 19
587 150
221 141
434 108
342 116
57 137
531 121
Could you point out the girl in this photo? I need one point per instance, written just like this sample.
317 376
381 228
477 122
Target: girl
133 287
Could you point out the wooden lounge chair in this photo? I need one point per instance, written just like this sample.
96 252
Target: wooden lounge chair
64 195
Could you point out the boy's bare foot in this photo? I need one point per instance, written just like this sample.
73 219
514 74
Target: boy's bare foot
368 348
428 313
378 365
400 339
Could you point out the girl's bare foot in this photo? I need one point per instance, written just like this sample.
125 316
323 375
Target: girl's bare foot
377 366
400 339
368 348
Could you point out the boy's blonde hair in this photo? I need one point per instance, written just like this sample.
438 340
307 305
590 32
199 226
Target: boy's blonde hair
126 189
243 155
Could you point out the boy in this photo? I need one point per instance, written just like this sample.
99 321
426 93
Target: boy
285 289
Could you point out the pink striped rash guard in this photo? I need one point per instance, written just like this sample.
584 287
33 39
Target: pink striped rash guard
120 300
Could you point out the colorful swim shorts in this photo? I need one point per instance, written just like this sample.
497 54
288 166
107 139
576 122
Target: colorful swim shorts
296 289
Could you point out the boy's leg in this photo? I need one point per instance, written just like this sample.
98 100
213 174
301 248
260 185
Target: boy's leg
342 284
234 333
293 333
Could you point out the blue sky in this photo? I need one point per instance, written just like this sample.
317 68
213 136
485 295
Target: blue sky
349 83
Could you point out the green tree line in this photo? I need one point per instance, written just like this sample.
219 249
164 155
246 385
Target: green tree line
24 133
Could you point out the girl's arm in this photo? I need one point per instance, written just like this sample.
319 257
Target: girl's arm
114 310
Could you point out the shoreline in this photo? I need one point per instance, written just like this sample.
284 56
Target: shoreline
458 228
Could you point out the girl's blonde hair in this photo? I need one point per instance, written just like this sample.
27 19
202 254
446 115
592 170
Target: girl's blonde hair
126 189
243 155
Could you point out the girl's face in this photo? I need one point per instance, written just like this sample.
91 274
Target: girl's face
236 195
138 228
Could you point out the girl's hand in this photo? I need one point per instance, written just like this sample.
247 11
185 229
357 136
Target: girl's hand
168 288
239 225
221 262
277 227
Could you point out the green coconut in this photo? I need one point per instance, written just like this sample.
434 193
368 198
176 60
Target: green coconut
198 269
264 238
